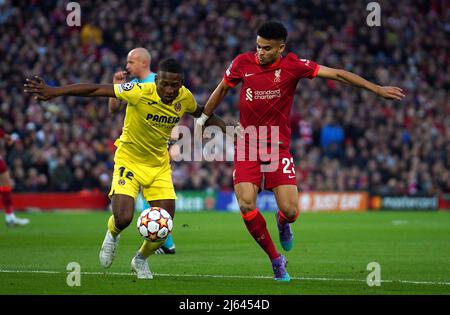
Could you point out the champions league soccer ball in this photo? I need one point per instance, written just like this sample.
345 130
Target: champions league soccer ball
154 224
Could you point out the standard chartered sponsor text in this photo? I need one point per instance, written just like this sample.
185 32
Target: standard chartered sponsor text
267 95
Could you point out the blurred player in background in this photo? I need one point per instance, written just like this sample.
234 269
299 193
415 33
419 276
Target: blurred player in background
138 68
141 158
6 189
269 81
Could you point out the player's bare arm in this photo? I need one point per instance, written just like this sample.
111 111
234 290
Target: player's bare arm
213 120
115 105
42 92
388 92
214 100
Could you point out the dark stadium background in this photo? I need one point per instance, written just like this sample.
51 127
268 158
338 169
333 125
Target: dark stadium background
344 139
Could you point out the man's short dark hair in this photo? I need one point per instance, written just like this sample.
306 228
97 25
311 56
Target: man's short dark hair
273 30
170 65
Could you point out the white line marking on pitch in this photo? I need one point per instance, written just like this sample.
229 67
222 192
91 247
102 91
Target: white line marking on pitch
226 276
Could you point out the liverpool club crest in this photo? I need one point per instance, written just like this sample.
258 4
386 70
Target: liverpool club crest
277 75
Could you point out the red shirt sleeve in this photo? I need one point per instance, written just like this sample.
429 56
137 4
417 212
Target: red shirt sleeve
2 133
306 68
233 75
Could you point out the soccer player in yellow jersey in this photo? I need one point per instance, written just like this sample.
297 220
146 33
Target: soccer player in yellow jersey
138 67
141 158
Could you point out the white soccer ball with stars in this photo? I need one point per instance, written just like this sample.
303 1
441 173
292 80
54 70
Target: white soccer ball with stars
154 224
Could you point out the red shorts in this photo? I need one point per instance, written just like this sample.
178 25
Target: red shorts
3 166
276 173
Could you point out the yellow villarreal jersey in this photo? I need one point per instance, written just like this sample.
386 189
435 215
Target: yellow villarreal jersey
148 121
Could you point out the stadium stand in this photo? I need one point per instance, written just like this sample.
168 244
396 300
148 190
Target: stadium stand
343 139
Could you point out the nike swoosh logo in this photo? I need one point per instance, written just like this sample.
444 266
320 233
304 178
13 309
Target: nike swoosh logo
249 74
291 176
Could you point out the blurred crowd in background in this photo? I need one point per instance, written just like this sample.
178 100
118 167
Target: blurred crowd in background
343 138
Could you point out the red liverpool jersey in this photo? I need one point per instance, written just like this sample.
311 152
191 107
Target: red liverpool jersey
267 92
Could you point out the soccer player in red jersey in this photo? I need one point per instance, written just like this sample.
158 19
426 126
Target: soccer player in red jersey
6 189
269 80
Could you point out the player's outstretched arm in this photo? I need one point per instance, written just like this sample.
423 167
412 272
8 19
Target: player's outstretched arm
213 120
388 92
115 105
42 92
214 100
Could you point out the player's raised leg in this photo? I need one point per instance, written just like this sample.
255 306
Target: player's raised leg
139 263
123 211
287 201
168 247
246 194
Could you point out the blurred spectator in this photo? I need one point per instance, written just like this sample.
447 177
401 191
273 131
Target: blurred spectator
91 35
331 138
61 177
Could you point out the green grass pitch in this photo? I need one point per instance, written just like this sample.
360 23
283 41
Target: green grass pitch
216 255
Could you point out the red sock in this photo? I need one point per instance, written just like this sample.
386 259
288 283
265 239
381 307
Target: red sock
282 219
5 191
256 225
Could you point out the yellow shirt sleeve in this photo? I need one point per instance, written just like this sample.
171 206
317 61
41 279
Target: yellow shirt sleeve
191 103
129 91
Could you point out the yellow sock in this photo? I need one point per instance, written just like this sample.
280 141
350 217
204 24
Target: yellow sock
112 227
149 247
